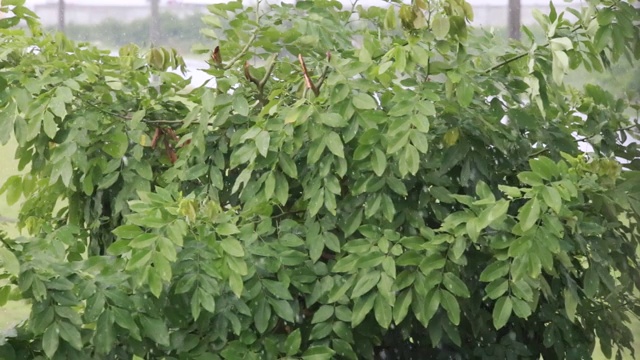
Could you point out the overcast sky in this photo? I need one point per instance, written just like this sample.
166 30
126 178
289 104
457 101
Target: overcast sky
139 2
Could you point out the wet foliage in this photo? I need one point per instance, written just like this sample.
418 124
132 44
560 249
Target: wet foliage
359 183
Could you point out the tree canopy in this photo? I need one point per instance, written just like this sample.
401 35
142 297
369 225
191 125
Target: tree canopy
380 182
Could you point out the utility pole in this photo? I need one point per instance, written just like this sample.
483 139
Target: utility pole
61 11
154 36
154 23
514 19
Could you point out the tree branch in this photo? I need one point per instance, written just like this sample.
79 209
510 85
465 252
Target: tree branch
542 151
243 51
307 78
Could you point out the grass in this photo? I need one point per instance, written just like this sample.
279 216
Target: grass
14 312
9 167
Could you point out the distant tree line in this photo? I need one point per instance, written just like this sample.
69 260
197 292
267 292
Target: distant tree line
180 33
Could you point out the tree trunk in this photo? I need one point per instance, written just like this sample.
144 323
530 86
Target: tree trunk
154 23
61 11
514 19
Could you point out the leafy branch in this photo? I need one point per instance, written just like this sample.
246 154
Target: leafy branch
262 82
307 78
524 54
542 151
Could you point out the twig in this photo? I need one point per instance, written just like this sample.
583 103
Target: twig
248 76
508 61
324 72
542 151
307 78
243 51
271 65
520 56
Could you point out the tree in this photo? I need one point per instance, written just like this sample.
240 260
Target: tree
416 196
61 15
154 22
514 16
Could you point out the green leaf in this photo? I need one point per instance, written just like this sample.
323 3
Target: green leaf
365 283
529 214
292 343
502 312
70 334
269 186
522 290
382 311
226 229
431 305
143 240
352 222
139 259
95 307
494 271
261 315
333 120
510 191
287 165
232 247
104 336
9 262
283 309
318 353
378 162
127 231
464 93
316 202
390 22
440 26
497 288
520 246
570 303
50 341
116 144
262 142
544 167
240 105
591 282
498 210
364 101
49 125
521 308
401 307
155 329
277 289
530 178
236 284
453 283
5 291
334 144
282 189
7 117
552 198
450 304
361 307
322 314
412 158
